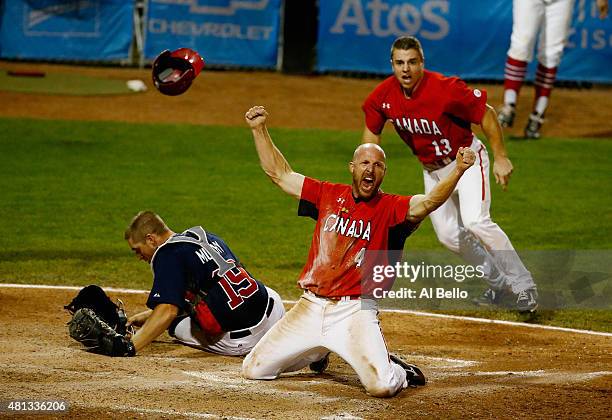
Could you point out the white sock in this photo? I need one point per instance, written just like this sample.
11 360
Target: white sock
541 105
510 97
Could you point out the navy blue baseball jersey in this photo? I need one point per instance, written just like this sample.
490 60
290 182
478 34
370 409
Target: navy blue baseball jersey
197 272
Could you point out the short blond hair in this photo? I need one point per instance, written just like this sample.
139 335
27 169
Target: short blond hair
144 223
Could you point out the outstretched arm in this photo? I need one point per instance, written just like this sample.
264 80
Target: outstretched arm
157 322
271 159
502 167
421 205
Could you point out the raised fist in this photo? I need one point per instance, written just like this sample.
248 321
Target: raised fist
256 116
465 158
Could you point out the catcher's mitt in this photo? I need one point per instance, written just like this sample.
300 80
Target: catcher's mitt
174 71
97 336
93 297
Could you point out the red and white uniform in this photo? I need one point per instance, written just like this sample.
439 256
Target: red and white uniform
435 121
346 229
550 21
330 316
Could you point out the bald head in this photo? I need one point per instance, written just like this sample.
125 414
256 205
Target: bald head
369 148
368 169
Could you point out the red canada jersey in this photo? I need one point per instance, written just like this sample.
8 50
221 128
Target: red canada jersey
435 121
346 228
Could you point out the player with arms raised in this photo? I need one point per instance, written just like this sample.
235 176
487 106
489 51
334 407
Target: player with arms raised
432 114
334 314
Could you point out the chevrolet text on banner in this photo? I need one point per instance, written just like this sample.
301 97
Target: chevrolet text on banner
468 38
224 32
92 30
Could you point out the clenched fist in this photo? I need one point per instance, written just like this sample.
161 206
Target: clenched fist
256 116
465 158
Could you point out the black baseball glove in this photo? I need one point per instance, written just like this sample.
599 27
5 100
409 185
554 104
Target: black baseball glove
98 323
97 336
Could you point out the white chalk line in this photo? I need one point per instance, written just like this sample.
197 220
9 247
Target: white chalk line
443 362
239 383
567 376
396 311
141 410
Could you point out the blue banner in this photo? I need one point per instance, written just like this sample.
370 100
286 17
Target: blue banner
93 30
469 38
224 32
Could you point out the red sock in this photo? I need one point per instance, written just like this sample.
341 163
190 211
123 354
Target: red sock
514 74
544 81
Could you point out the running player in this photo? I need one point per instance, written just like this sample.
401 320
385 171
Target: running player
432 114
552 20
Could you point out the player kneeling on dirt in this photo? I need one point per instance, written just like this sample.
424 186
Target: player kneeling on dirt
334 313
201 293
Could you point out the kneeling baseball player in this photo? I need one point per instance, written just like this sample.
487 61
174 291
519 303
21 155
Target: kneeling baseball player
201 294
333 314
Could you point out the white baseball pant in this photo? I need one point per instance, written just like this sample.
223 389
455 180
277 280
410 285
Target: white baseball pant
315 326
188 333
463 224
551 18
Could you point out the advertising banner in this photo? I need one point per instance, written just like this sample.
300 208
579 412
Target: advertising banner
224 32
469 38
95 30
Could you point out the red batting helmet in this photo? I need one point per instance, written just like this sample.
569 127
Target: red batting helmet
174 71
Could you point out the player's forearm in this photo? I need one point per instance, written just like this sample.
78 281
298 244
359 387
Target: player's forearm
159 320
493 132
369 137
140 318
440 193
435 198
271 159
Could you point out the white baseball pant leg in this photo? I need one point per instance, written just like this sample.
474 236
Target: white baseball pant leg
527 18
187 332
314 326
466 213
555 32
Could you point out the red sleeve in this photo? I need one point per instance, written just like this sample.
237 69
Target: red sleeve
374 118
310 198
466 103
399 209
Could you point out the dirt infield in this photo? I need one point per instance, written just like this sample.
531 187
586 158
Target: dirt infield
222 98
474 370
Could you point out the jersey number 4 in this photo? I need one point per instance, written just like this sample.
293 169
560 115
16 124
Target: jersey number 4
446 147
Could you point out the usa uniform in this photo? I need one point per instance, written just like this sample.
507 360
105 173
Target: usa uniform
434 122
333 314
224 309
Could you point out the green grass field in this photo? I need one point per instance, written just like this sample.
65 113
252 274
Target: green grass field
70 188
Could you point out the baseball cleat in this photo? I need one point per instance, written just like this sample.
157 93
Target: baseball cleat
506 115
320 365
532 131
488 298
526 301
414 376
